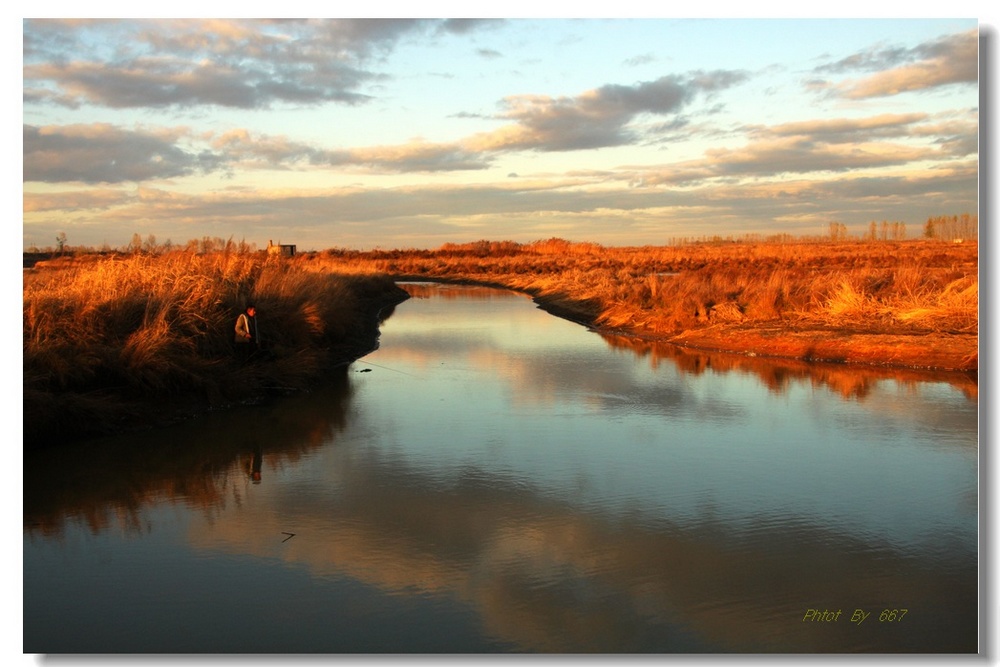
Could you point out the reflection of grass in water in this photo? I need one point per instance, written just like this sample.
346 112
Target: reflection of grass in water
109 482
853 382
101 332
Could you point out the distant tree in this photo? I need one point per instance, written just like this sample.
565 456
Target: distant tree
929 228
135 246
952 227
209 244
61 241
838 231
968 226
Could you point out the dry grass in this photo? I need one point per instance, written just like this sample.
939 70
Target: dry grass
904 288
100 330
100 333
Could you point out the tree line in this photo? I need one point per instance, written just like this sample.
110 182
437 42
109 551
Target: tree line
149 245
952 227
942 227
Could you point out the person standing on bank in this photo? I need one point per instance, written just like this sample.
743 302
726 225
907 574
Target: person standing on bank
246 332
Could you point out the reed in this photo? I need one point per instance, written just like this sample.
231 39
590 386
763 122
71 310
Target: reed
103 337
102 334
892 288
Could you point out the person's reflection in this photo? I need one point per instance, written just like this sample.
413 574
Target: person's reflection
254 465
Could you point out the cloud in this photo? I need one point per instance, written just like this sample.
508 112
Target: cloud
955 137
249 150
953 59
800 155
417 156
262 151
466 26
102 153
71 202
597 118
642 59
790 155
165 82
849 129
594 119
184 63
824 146
521 209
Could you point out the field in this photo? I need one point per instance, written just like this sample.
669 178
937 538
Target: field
897 303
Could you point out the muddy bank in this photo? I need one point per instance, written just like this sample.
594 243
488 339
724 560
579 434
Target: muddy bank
931 350
907 303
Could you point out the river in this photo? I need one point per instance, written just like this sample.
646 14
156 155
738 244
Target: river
497 479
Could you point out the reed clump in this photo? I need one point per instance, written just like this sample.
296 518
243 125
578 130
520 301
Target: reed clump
105 339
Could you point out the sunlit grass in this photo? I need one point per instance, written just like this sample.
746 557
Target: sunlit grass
101 333
891 287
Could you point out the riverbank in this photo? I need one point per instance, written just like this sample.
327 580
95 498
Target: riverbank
124 343
949 351
117 341
902 303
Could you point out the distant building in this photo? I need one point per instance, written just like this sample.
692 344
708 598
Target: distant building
285 250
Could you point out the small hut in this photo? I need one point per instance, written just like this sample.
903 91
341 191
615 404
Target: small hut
285 250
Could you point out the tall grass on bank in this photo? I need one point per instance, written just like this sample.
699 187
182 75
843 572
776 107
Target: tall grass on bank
907 287
102 336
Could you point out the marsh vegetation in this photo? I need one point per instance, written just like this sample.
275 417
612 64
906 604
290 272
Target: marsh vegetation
908 303
107 336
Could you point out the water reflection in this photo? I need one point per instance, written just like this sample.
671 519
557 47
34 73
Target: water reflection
546 576
850 381
500 480
108 482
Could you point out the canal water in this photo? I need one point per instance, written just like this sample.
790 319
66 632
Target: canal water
496 479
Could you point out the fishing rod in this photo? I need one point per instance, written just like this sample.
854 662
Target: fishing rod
385 367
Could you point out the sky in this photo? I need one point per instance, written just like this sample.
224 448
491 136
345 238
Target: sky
409 133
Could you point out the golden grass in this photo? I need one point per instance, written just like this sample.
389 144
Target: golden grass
100 330
100 333
911 286
909 303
